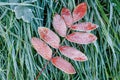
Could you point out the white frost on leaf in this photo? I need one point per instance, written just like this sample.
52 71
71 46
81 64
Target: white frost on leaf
24 13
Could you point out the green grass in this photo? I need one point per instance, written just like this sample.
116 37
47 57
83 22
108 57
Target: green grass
19 61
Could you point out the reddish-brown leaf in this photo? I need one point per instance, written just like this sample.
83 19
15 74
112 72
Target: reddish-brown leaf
81 37
86 26
72 53
66 14
59 25
79 11
49 37
63 65
42 48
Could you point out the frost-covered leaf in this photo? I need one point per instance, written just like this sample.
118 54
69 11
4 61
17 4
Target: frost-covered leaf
59 25
23 12
79 11
81 37
63 65
66 14
49 37
72 53
86 26
13 1
42 48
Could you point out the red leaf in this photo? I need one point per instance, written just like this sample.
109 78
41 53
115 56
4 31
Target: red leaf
63 65
42 48
79 11
49 37
86 26
59 25
72 53
66 14
81 38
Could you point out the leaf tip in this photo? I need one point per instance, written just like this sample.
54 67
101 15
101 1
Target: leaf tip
82 58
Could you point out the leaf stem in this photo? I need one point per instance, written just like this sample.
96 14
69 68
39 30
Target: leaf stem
65 37
42 69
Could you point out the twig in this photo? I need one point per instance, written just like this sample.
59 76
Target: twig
42 70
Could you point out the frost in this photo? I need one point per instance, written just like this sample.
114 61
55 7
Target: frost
24 13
